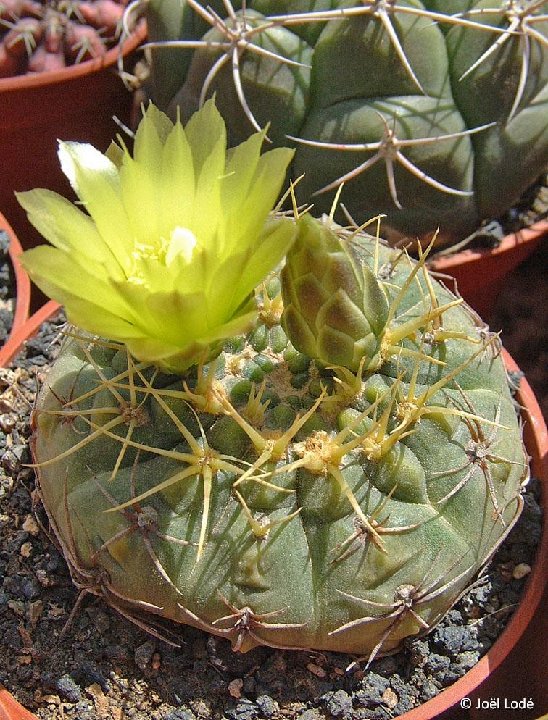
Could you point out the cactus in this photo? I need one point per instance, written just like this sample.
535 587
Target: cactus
430 112
45 35
329 468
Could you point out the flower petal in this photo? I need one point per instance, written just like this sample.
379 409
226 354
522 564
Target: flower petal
54 271
95 179
177 197
67 227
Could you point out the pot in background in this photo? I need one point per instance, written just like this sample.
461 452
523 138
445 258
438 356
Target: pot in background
480 274
75 103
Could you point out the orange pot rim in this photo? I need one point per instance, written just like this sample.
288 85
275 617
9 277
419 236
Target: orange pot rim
536 442
72 72
22 281
25 331
469 257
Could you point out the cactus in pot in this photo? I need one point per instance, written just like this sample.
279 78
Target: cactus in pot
266 426
430 112
47 35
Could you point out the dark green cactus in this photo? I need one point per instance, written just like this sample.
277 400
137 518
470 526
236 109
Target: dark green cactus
432 112
319 492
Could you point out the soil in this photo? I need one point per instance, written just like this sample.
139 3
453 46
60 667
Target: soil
69 656
7 289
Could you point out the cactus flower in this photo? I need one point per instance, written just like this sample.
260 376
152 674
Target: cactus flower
174 240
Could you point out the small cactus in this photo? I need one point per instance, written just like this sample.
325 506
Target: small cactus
331 474
44 35
432 113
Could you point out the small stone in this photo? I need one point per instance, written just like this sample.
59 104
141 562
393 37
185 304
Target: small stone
68 689
244 710
180 714
17 607
267 705
143 654
30 525
312 714
506 571
156 661
389 698
452 640
437 665
372 689
26 550
7 423
235 688
521 571
418 650
316 670
338 703
30 588
35 612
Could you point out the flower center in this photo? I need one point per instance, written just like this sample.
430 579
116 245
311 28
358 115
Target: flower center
182 242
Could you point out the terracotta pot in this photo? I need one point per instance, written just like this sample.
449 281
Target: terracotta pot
446 705
10 708
76 103
22 282
480 274
25 331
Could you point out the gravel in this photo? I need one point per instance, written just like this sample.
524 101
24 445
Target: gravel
7 290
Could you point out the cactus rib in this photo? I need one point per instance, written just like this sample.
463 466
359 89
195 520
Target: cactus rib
389 150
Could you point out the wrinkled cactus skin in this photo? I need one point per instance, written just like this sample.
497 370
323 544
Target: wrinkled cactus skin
353 85
291 502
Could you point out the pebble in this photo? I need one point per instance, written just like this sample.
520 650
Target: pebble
312 714
30 587
89 674
68 689
521 571
338 703
371 692
244 710
143 654
267 706
179 714
451 640
437 665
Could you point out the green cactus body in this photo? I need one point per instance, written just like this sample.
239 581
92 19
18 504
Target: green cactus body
282 495
432 113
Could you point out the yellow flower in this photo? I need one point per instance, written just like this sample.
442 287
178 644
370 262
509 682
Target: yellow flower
174 240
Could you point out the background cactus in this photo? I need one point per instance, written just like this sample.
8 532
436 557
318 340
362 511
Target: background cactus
327 499
431 112
44 35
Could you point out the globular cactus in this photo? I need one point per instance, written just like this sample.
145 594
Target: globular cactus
46 35
430 112
333 476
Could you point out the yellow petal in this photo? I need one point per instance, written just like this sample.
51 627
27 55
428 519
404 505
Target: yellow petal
57 274
96 181
67 227
177 197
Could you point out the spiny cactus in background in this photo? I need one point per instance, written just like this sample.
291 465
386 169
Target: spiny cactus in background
432 112
44 35
337 454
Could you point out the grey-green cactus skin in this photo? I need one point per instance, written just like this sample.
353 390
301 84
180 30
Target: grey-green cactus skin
282 498
434 78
